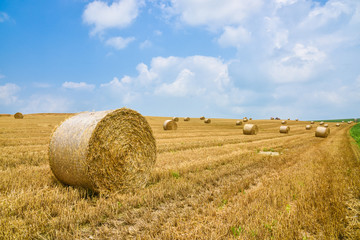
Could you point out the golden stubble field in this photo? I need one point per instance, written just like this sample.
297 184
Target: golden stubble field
209 182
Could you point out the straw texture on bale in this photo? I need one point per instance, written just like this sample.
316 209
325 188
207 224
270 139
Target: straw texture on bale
202 118
308 127
238 122
18 115
321 123
338 124
170 125
208 120
322 132
312 122
284 129
186 119
245 120
326 125
283 122
349 122
103 151
250 129
175 119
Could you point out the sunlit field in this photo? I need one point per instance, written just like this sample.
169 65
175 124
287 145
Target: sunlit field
209 182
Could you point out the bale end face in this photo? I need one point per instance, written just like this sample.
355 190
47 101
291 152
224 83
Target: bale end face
103 151
322 132
284 129
250 129
170 125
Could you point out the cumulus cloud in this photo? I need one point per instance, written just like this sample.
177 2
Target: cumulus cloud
119 42
234 36
8 93
78 86
119 14
45 103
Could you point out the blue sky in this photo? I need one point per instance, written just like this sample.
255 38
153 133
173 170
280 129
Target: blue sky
229 58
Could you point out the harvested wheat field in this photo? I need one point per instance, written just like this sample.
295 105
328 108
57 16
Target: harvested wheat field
209 182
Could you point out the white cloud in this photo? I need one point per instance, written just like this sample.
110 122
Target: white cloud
145 44
234 37
78 86
8 93
119 42
4 17
46 104
119 14
213 13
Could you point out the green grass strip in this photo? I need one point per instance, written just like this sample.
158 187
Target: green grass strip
355 133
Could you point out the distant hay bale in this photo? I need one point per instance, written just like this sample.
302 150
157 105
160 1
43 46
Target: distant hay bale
288 119
326 125
308 127
208 120
250 129
296 119
250 118
175 119
321 123
342 121
186 119
170 125
312 122
103 151
202 118
284 129
349 122
272 118
322 132
18 115
238 122
338 125
283 122
245 119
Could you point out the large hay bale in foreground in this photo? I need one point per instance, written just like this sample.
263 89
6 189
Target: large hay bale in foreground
175 119
202 118
169 125
18 115
238 122
308 127
283 122
208 120
322 132
250 129
284 129
186 119
103 151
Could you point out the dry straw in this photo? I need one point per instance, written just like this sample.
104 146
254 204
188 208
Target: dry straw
202 118
349 122
208 120
175 119
308 127
18 115
245 119
284 129
326 125
238 122
186 119
312 122
272 118
103 151
169 125
296 119
283 122
321 123
288 119
250 118
322 132
250 129
338 125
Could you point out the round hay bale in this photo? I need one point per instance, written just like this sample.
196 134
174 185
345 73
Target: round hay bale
175 119
245 120
284 129
250 118
186 119
238 122
296 119
288 119
326 125
272 118
322 132
202 118
283 122
208 120
170 125
342 121
103 151
312 122
338 125
18 115
349 122
321 123
250 129
308 127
